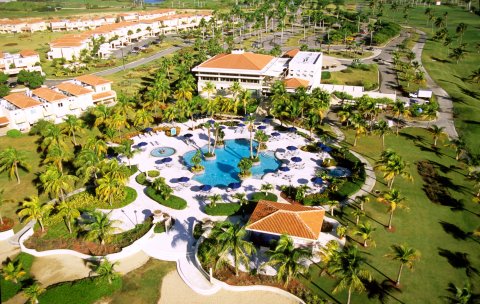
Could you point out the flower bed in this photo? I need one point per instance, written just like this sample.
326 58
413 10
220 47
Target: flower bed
7 224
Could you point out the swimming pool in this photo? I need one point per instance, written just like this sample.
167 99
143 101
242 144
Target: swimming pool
223 170
163 152
338 172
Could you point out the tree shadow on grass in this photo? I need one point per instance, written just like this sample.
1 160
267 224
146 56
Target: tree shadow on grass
434 150
459 260
326 293
434 58
382 291
414 138
457 232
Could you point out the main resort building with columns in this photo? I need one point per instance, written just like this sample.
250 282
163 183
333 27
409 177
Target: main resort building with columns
257 72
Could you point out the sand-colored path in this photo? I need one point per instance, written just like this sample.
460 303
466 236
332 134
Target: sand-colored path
7 250
175 291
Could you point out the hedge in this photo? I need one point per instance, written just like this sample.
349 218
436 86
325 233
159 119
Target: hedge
173 202
14 133
222 209
10 289
141 179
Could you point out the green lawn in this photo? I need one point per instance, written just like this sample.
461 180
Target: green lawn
173 202
222 209
439 232
356 77
446 72
9 288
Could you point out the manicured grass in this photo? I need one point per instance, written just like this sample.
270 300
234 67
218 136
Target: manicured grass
173 202
261 196
445 71
225 209
37 41
356 77
440 233
83 291
8 288
143 285
141 179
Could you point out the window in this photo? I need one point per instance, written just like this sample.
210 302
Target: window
60 104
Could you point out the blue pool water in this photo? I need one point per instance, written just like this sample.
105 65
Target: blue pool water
339 172
223 170
162 152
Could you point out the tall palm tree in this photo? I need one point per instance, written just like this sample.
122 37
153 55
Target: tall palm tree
56 183
33 209
393 199
407 256
114 169
251 127
106 270
231 241
72 126
124 106
332 204
127 150
98 145
357 213
459 146
10 160
241 198
209 88
101 113
382 128
88 164
261 139
365 231
245 98
69 213
347 266
392 167
53 136
143 118
436 132
463 295
57 155
109 188
98 227
266 187
214 199
33 291
13 271
362 200
475 76
288 258
460 30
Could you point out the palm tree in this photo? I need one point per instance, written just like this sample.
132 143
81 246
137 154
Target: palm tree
462 295
365 231
475 76
266 187
13 271
458 53
214 199
56 183
460 30
250 123
114 169
261 139
209 88
245 98
2 201
362 200
459 146
245 164
97 145
106 270
392 167
405 255
98 226
69 213
57 156
347 266
53 136
332 204
288 258
382 128
33 291
127 150
357 213
241 198
109 188
33 209
394 201
73 125
11 159
436 132
231 241
87 163
101 113
143 118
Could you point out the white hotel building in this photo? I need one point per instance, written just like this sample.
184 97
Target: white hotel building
258 72
22 109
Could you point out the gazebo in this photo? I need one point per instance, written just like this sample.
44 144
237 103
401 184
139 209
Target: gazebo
270 220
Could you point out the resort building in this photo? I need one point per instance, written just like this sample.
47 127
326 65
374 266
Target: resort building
270 220
21 110
257 72
12 64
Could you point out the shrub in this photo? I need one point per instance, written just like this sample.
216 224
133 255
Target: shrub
222 209
126 238
198 230
153 173
14 133
10 289
261 196
173 201
142 179
159 227
326 75
328 162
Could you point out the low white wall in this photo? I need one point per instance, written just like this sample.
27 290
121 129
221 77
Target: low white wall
5 235
126 251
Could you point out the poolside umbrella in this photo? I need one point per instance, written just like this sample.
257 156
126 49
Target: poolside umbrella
148 130
142 144
292 129
241 125
234 185
327 149
320 145
211 121
183 179
188 135
159 162
284 169
275 134
296 159
317 180
262 127
266 120
291 148
222 127
167 160
205 187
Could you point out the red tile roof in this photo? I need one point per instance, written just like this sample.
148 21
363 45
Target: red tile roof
103 95
27 53
294 220
294 83
244 61
21 100
73 89
48 94
291 53
92 80
4 121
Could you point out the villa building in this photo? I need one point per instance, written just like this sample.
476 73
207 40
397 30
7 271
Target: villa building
270 220
22 109
12 64
257 72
